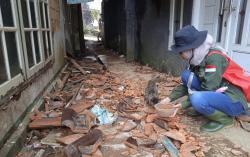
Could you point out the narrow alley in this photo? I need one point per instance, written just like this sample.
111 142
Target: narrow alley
100 112
95 78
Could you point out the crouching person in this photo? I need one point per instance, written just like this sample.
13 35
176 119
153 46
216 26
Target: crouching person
208 80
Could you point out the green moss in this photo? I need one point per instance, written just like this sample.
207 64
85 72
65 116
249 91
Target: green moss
171 64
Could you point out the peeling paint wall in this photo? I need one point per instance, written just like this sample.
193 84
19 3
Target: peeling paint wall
57 15
12 112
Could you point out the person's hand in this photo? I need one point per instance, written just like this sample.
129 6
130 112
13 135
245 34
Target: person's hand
177 105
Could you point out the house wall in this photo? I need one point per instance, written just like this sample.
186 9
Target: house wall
153 30
131 31
147 31
75 44
12 111
224 32
114 17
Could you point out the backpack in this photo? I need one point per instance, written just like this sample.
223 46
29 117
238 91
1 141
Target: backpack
235 74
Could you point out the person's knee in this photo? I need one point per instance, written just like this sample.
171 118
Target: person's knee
184 76
198 101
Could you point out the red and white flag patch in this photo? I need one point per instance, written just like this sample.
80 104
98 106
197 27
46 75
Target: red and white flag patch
210 68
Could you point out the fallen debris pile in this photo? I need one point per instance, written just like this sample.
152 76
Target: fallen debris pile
89 109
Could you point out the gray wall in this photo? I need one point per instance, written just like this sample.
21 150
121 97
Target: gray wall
147 31
131 31
154 37
114 17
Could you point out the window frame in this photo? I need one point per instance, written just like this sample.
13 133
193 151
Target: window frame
30 70
172 22
244 46
20 30
19 78
49 29
39 29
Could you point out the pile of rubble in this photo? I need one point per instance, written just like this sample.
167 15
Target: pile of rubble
90 109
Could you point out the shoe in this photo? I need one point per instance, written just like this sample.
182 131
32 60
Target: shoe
218 121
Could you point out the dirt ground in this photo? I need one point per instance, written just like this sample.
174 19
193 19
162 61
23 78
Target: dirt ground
227 143
219 144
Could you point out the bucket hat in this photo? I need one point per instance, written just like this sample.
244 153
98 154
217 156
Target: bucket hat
188 38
